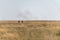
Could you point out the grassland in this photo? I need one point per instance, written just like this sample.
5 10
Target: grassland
30 30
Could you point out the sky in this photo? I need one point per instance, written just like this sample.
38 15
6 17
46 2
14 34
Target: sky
29 9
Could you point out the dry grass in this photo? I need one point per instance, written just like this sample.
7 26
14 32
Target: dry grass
30 30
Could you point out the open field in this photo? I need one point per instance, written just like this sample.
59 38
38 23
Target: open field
30 30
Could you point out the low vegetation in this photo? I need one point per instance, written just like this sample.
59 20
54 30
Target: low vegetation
29 31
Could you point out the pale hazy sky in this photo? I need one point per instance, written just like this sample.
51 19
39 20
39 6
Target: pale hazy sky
29 9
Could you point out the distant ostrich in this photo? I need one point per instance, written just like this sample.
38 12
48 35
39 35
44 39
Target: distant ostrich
20 21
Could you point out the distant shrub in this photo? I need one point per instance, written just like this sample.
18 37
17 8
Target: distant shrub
58 34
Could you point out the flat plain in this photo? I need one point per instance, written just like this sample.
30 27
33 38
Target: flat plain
30 30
